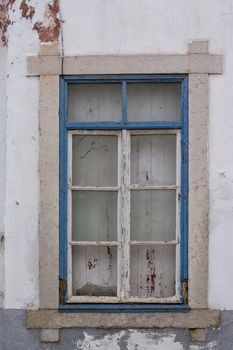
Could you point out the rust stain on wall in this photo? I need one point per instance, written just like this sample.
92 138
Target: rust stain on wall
5 6
50 32
27 10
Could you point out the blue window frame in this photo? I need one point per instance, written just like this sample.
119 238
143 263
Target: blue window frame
124 124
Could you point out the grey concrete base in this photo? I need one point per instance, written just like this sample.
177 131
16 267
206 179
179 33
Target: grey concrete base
15 335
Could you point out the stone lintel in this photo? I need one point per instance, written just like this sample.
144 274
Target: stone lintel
125 64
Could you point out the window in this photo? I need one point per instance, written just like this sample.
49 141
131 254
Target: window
192 76
123 188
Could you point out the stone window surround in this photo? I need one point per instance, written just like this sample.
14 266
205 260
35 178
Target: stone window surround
49 65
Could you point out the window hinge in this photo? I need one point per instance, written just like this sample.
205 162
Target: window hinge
62 290
185 291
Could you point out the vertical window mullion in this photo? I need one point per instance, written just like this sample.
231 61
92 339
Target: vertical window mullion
178 200
119 218
124 244
69 217
124 102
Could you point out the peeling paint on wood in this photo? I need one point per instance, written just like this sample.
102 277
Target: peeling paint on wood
51 31
92 263
151 275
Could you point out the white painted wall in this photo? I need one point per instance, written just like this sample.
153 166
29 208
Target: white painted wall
22 178
3 56
116 26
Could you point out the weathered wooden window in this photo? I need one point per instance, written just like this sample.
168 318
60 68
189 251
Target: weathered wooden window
123 189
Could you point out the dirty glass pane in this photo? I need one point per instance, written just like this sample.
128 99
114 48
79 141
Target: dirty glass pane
94 216
152 271
94 102
153 160
153 215
94 161
94 271
154 102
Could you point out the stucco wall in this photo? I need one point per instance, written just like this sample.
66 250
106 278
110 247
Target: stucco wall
14 335
3 55
117 26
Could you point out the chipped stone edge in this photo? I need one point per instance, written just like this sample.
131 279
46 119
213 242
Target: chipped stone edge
53 319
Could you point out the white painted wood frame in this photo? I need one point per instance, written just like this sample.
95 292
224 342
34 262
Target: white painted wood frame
123 243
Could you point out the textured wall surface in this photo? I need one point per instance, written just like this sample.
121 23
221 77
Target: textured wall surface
14 335
3 56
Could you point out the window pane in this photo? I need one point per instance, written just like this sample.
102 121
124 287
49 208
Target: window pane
94 271
94 102
154 102
152 271
94 216
94 160
153 160
153 215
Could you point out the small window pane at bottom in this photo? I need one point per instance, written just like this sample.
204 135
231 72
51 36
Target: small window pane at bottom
94 271
152 272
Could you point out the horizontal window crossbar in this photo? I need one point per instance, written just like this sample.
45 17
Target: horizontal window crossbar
132 308
144 188
107 299
151 243
94 243
93 188
139 78
119 126
114 243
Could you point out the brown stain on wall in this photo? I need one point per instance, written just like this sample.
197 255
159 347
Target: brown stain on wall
5 6
50 32
27 10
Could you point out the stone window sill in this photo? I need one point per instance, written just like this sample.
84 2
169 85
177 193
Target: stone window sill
53 319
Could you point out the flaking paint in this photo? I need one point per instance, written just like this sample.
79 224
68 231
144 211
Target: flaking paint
27 10
49 29
5 21
134 340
